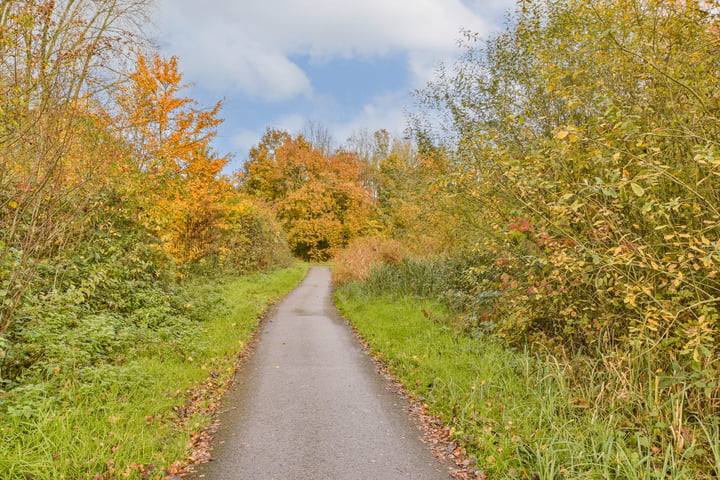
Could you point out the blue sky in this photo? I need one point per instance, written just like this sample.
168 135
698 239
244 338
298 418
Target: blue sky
349 65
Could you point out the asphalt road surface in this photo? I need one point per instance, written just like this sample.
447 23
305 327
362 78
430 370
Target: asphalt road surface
309 405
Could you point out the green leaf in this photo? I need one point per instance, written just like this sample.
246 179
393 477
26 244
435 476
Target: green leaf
609 192
637 189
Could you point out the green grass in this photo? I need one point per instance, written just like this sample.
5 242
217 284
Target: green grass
121 419
519 416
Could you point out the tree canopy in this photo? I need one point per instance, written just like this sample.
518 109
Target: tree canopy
321 199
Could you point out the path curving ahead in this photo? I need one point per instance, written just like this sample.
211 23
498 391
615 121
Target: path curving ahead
309 405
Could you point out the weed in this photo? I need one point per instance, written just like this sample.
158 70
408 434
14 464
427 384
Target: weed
122 415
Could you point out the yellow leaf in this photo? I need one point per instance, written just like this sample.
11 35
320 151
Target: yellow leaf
630 300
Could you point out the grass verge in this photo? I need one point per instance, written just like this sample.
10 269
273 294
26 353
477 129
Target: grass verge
517 416
136 417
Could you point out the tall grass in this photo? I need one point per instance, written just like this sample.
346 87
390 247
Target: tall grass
362 255
529 414
452 279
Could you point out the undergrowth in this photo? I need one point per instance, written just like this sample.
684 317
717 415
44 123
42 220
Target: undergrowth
108 396
526 415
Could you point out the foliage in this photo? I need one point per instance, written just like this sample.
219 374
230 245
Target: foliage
249 239
114 282
411 193
586 136
55 154
77 145
410 180
362 255
453 280
320 199
122 393
179 175
518 416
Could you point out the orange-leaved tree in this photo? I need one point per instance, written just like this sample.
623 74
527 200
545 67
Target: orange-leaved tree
176 170
321 199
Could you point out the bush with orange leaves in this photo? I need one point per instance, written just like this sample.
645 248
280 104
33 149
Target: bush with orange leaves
356 261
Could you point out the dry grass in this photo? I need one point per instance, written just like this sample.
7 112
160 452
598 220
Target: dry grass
356 261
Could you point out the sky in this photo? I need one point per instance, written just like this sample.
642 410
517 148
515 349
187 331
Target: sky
345 64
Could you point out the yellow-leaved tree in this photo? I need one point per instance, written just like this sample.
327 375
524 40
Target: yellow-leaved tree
176 170
56 155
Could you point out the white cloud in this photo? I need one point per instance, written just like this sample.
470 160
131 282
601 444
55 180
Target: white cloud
221 60
244 49
384 111
491 8
246 46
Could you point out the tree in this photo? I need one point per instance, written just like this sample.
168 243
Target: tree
319 136
56 60
178 173
320 199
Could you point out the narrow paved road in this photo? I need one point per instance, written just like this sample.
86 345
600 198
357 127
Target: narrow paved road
309 405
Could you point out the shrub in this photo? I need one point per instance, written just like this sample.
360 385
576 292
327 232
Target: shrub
587 148
249 239
362 255
462 281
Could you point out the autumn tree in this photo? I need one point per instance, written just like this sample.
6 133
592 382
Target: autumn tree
56 60
320 198
586 135
410 179
176 169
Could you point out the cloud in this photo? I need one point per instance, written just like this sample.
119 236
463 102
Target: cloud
347 64
246 46
491 8
221 60
384 111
